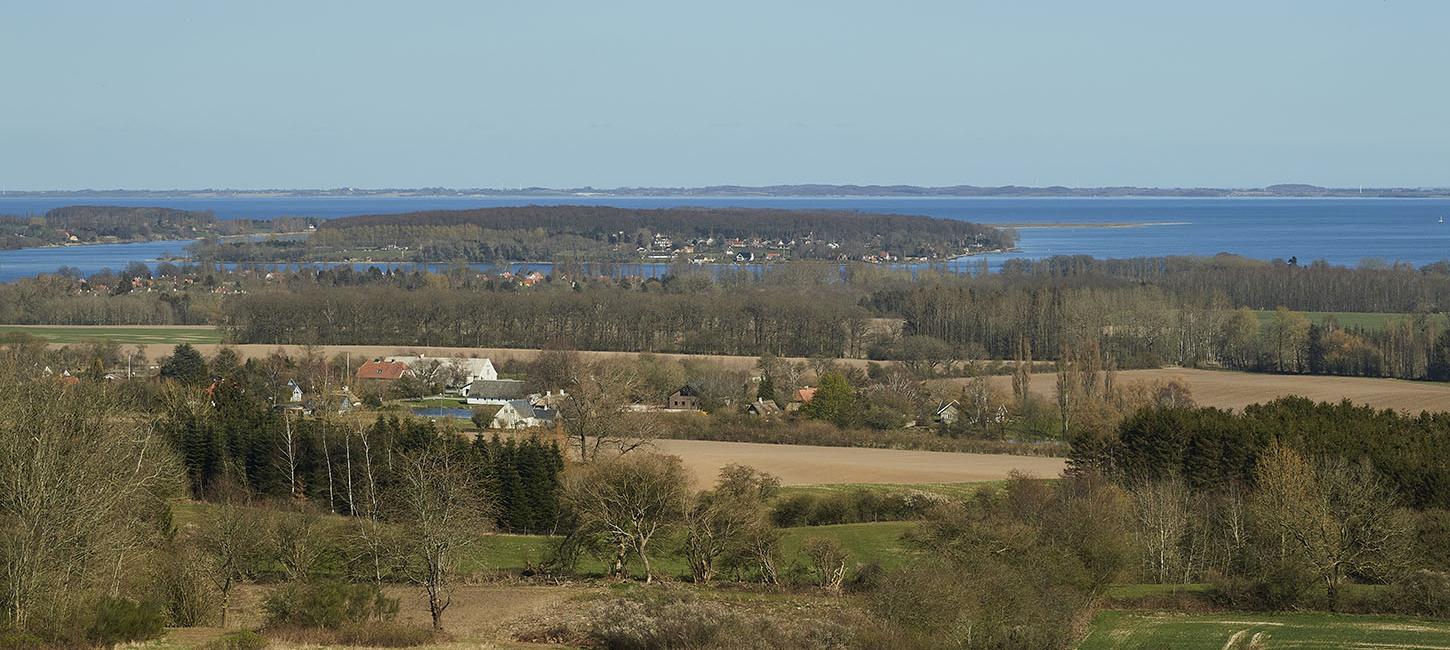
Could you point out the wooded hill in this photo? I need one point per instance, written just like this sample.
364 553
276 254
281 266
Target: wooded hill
541 233
112 223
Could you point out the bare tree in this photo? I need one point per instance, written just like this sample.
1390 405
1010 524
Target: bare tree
827 560
81 485
231 539
1336 518
442 509
719 522
297 542
626 501
597 414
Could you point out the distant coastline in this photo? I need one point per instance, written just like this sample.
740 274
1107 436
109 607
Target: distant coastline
1292 190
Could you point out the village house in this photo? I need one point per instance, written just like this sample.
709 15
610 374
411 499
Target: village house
948 413
383 370
763 408
800 398
458 371
493 391
686 398
520 414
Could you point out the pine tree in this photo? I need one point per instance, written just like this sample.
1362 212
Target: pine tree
766 390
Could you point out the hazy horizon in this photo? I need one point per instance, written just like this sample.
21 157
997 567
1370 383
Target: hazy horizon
1238 94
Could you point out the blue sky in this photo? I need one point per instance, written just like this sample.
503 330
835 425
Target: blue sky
508 94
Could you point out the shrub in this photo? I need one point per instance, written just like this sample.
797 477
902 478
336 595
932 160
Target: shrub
238 640
120 619
852 507
383 634
20 641
328 604
1423 592
188 595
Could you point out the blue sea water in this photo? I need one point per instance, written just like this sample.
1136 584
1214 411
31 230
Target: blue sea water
1343 231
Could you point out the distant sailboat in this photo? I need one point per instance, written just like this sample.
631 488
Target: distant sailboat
1442 219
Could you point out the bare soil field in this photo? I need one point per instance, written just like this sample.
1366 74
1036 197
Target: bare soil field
364 352
812 465
1235 390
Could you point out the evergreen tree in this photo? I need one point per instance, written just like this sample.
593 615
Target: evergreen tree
185 365
766 390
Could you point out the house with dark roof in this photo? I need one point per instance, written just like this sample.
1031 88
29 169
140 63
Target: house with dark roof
763 408
493 391
686 398
520 414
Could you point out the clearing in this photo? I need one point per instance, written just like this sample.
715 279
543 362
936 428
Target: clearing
1241 630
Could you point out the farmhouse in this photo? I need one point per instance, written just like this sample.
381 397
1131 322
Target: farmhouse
687 397
948 413
493 391
383 370
800 398
450 371
763 408
520 414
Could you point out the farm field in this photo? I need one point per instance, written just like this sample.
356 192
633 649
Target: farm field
160 336
1235 390
1230 631
813 465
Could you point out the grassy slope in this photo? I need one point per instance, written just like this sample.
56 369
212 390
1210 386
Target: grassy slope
1145 631
873 542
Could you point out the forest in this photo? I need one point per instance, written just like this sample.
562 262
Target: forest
541 233
91 224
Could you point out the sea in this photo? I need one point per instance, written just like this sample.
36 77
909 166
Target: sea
1340 231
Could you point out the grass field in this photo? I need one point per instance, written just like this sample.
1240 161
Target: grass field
161 335
878 543
1242 631
1351 319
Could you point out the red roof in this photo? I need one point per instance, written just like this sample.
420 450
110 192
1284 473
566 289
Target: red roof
388 370
805 394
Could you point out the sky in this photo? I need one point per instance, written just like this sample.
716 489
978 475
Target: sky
316 94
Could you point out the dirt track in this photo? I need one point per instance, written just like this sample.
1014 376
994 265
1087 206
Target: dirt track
811 465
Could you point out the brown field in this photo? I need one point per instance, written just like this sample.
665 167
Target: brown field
812 465
363 352
480 615
1235 390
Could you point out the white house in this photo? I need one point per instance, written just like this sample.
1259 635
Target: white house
465 370
520 414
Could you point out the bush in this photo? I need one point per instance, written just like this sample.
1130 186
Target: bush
238 640
188 595
381 634
328 604
14 640
855 506
678 619
120 619
1277 587
1424 592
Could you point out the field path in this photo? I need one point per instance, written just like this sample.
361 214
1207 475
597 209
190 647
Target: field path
813 465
